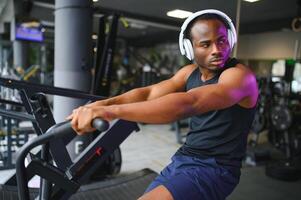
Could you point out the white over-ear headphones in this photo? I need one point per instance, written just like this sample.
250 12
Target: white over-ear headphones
185 44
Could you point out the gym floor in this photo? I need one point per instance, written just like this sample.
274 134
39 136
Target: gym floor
153 146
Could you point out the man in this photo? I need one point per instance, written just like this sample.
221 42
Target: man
216 92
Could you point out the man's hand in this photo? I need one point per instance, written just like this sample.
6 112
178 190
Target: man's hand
82 117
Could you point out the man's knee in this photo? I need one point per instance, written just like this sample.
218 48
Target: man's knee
159 193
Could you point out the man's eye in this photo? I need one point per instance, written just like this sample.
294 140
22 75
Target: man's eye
205 45
222 41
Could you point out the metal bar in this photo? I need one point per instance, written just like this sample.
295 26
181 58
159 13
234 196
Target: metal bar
103 77
53 174
100 50
142 19
42 112
137 18
297 49
175 28
9 142
107 142
34 88
45 185
14 103
43 5
28 108
17 115
96 153
237 26
21 172
32 108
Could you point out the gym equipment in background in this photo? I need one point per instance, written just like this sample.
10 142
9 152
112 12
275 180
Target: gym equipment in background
104 57
256 154
281 119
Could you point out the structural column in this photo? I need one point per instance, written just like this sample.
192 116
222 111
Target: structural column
73 54
20 49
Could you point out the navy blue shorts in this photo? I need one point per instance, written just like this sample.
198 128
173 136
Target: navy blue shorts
196 179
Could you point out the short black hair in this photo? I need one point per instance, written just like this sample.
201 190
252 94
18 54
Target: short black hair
206 16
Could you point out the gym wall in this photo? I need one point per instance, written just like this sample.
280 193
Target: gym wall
270 45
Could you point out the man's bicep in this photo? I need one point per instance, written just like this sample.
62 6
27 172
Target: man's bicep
211 97
230 90
238 83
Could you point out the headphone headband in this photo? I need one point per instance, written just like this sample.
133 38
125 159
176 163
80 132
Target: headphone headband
232 37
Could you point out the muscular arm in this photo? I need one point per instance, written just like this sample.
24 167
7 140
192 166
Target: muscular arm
235 86
174 84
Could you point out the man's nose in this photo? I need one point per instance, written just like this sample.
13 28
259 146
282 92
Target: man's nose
215 49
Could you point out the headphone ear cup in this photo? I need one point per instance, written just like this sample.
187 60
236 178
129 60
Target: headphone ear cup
188 49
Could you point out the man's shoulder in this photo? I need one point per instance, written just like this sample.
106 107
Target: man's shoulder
190 67
239 73
186 70
239 68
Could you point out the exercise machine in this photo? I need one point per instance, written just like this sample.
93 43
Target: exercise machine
62 179
35 103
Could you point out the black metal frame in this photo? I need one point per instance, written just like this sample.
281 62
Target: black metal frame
104 57
32 88
67 182
33 106
66 176
7 119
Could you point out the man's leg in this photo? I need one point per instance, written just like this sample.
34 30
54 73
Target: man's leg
159 193
189 178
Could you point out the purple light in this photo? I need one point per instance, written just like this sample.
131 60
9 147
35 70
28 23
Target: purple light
31 34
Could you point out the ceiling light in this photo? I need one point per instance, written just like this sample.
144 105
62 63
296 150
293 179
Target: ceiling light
94 36
95 0
251 1
179 13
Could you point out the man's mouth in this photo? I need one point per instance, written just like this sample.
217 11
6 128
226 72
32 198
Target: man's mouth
217 61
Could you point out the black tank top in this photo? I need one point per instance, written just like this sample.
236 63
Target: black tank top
221 134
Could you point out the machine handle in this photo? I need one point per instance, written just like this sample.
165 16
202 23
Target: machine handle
57 131
100 124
